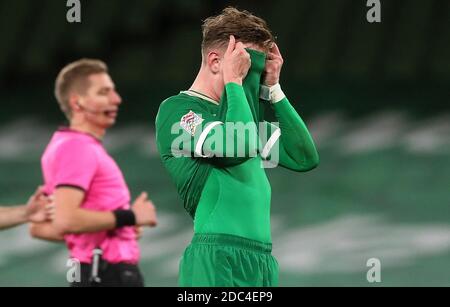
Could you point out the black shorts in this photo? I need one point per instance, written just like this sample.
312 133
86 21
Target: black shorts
111 275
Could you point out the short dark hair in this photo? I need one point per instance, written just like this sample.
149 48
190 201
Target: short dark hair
245 27
74 76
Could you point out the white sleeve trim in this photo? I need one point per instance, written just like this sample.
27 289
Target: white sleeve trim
202 138
270 142
264 92
276 94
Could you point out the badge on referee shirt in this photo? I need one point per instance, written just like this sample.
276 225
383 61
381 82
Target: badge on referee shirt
190 121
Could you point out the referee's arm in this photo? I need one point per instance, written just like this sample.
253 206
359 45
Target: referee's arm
45 231
71 218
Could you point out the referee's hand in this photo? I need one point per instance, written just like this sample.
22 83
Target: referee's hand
144 211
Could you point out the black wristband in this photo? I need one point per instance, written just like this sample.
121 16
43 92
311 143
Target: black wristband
124 218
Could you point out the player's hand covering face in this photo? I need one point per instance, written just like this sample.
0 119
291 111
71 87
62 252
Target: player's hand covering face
274 63
236 62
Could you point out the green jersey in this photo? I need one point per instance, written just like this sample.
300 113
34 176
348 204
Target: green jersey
226 190
229 199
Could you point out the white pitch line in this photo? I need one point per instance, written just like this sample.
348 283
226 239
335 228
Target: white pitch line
429 136
375 132
345 244
123 137
23 139
325 127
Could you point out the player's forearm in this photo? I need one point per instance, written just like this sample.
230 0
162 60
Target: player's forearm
10 217
45 231
239 129
295 137
84 221
238 110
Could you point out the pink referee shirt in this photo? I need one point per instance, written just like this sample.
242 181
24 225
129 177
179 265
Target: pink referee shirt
78 160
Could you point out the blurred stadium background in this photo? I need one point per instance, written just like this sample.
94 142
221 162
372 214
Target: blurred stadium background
376 97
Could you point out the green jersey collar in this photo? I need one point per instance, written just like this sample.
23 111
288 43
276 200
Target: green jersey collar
199 95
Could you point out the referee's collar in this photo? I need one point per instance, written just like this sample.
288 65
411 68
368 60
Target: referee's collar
68 129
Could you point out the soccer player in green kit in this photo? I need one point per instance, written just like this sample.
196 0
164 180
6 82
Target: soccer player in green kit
226 190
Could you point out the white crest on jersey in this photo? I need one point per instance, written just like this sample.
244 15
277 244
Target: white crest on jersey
190 121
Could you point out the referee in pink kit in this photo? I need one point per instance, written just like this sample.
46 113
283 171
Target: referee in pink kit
92 201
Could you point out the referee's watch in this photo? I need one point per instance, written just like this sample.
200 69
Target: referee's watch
273 94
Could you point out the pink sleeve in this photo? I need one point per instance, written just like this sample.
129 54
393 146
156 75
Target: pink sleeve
75 165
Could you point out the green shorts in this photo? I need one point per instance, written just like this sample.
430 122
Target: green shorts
219 260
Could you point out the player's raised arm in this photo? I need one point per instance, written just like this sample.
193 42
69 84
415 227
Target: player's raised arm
232 123
236 63
296 146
